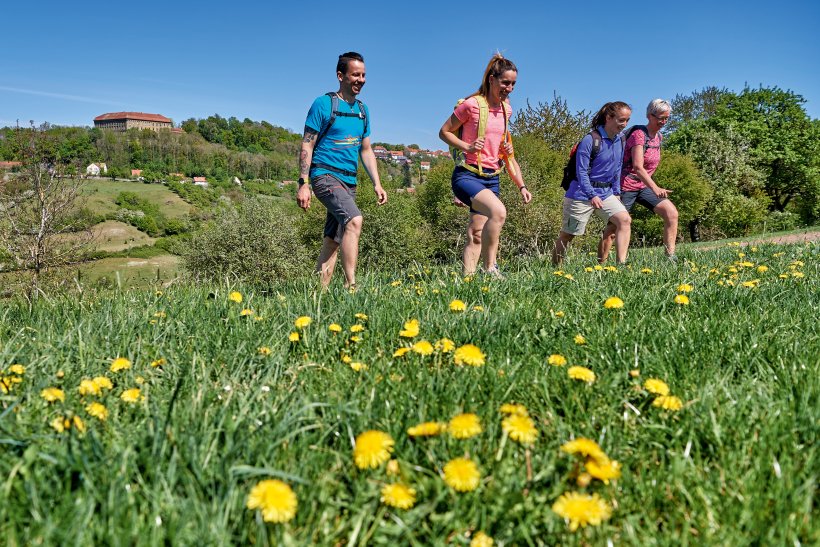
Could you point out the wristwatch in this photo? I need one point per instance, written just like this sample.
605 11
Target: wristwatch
302 182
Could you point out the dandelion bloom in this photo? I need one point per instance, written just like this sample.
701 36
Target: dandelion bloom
585 447
235 296
579 339
655 386
19 370
246 312
52 394
334 327
361 316
372 449
588 269
646 271
581 373
609 269
356 338
60 424
89 387
462 475
445 345
558 314
357 366
133 395
684 287
422 347
513 408
603 469
457 305
398 496
464 426
400 352
158 363
762 269
98 411
798 274
582 509
613 303
275 499
293 337
264 350
302 322
347 359
357 328
478 308
520 428
668 402
583 479
426 429
481 540
120 363
681 299
411 329
392 468
469 354
557 360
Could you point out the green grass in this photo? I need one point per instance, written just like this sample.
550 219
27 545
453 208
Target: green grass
737 465
100 195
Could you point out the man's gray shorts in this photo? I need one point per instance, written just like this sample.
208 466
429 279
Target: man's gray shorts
644 196
340 201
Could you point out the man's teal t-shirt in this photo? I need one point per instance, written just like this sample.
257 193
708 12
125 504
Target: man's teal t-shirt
342 144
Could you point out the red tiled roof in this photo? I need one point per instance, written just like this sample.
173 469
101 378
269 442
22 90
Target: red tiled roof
200 179
10 164
132 116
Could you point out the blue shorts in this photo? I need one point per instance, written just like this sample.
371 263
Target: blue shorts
467 184
644 196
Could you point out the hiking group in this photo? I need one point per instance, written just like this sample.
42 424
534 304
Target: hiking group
608 171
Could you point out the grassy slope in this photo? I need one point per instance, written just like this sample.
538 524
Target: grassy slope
739 464
102 193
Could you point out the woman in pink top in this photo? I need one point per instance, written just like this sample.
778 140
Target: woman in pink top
642 154
478 161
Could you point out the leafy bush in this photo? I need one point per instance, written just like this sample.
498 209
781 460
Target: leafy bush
254 242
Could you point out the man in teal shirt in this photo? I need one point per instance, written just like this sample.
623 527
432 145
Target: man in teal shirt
337 133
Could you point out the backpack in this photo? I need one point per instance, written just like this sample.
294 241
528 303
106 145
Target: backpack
570 171
628 159
459 157
334 113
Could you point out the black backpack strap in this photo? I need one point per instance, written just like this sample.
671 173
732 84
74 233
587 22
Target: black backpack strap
596 147
334 110
363 116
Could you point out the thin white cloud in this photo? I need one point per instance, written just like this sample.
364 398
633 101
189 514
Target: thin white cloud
63 96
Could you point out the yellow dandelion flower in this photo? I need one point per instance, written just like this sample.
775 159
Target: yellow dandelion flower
235 296
603 469
558 273
158 362
445 345
520 428
275 499
668 402
762 269
646 270
51 394
610 269
481 540
246 312
356 338
656 386
681 300
372 449
133 395
557 360
514 408
357 366
258 318
457 305
357 328
5 384
361 316
583 479
798 274
89 387
98 411
293 337
579 339
464 426
58 424
588 269
580 510
684 288
422 347
398 496
569 276
334 327
347 359
559 314
783 276
302 322
120 363
395 283
427 429
392 468
400 352
585 447
264 350
581 373
732 270
462 475
139 380
411 329
598 268
469 354
635 372
613 303
19 370
478 308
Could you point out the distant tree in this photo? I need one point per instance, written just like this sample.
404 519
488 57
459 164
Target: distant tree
699 105
39 208
554 123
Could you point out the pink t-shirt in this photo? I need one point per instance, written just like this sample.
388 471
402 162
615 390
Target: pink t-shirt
467 113
651 158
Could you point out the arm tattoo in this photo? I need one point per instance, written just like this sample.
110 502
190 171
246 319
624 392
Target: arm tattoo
310 135
304 162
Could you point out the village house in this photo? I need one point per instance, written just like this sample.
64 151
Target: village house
95 169
123 121
201 181
10 164
425 166
381 152
136 172
397 156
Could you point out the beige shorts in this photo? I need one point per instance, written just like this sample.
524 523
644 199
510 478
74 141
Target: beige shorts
577 213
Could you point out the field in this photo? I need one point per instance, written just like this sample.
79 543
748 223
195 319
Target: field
100 196
210 397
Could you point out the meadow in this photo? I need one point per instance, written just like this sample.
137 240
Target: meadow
654 404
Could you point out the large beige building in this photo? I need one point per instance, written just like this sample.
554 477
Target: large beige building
123 121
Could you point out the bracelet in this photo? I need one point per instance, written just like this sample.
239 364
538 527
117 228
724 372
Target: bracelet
522 187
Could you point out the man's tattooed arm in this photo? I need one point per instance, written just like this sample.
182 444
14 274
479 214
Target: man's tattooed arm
306 154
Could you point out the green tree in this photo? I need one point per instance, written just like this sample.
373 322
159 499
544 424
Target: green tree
554 123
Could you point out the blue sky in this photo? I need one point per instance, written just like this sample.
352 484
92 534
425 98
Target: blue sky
67 62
